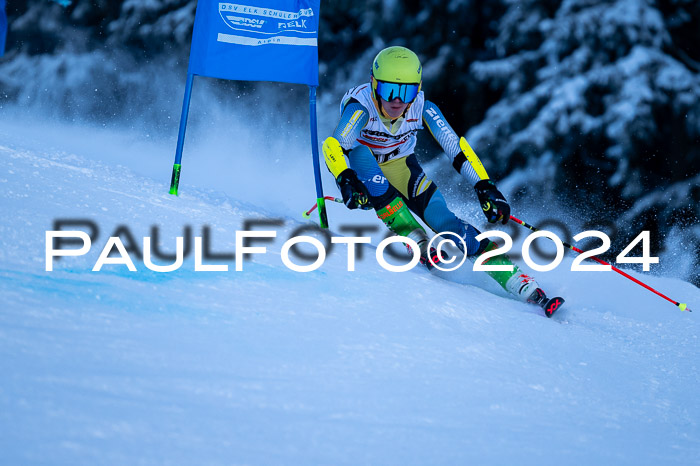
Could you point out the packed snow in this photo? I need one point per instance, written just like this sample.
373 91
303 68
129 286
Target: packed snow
269 366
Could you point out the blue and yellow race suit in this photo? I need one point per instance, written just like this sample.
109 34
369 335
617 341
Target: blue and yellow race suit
381 151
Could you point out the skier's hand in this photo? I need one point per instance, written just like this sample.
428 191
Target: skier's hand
353 191
493 203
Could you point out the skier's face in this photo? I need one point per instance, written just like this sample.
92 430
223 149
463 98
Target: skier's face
395 108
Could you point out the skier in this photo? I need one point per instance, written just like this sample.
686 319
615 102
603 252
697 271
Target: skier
377 133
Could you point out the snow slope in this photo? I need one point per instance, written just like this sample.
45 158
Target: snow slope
271 366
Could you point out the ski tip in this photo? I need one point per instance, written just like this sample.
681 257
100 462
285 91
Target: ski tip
552 305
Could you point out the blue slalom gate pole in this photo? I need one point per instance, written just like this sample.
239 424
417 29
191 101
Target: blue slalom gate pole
175 179
3 27
320 201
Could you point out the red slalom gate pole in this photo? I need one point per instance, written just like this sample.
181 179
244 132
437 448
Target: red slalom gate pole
681 306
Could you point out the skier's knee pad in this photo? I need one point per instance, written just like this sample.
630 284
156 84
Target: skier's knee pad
441 219
365 165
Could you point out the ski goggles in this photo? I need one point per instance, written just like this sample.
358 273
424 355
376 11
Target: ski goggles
406 93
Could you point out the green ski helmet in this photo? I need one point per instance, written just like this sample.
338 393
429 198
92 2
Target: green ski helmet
396 73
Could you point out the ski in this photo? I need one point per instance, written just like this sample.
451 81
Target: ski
551 305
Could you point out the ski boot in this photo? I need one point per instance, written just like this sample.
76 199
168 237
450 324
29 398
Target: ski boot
433 258
430 258
517 283
526 288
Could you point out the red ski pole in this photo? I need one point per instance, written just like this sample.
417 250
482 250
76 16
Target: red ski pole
681 306
307 214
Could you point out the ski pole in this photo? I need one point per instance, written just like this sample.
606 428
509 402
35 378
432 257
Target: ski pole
681 306
307 214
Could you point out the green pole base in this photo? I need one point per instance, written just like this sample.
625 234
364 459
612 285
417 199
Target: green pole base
175 179
322 216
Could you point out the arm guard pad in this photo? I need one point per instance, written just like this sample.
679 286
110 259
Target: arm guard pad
335 159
